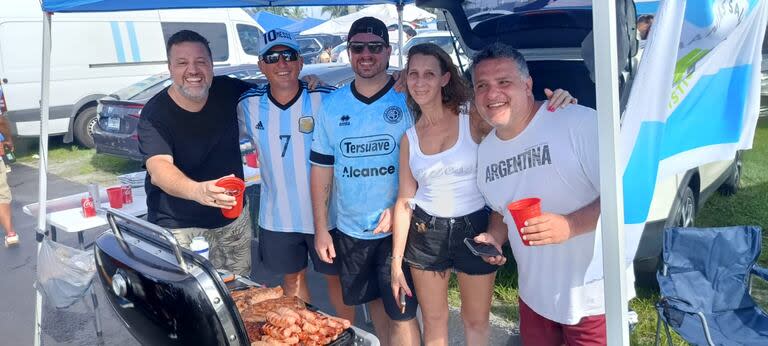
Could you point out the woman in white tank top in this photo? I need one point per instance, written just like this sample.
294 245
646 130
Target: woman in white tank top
439 203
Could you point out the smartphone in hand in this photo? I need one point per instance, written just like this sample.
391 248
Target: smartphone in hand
481 249
402 301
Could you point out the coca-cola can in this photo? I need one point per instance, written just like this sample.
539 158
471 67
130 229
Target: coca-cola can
127 194
88 208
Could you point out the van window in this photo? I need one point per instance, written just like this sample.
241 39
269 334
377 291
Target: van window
250 36
215 33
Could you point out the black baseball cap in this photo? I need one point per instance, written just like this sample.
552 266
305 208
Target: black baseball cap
369 25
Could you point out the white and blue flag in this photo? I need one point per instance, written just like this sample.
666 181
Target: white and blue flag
695 100
646 6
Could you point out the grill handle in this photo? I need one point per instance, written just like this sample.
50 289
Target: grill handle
113 213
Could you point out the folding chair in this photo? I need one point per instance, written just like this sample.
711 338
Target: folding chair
704 285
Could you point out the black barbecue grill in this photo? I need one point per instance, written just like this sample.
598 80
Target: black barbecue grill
167 295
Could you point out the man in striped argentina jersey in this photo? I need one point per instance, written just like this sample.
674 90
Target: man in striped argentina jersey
280 119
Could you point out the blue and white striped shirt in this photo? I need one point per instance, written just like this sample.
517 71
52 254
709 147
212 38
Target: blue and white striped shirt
282 135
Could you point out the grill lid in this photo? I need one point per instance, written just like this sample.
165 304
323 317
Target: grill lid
163 293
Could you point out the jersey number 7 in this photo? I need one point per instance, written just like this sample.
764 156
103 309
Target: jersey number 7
285 139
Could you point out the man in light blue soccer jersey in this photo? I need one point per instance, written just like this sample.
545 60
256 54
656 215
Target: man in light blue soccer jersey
355 155
280 118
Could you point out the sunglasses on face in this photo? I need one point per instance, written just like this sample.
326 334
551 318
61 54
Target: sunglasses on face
272 56
373 47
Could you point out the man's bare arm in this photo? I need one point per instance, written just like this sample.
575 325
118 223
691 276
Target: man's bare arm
321 180
585 219
496 235
169 178
497 228
549 228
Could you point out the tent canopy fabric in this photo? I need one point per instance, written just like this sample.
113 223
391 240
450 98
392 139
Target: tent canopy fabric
269 20
386 12
306 24
135 5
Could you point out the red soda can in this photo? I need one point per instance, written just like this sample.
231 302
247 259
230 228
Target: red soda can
127 194
88 208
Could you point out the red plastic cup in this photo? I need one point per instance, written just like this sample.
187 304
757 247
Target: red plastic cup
127 194
115 195
522 210
252 160
235 187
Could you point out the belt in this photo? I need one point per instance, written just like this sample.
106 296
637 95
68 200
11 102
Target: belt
432 220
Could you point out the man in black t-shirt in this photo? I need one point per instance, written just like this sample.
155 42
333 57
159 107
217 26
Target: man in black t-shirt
188 134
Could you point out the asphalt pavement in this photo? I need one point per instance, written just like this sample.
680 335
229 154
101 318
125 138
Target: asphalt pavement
74 325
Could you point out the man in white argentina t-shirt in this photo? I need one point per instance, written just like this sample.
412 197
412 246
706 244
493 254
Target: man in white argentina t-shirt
552 154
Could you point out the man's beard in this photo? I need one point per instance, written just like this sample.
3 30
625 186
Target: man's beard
371 73
193 94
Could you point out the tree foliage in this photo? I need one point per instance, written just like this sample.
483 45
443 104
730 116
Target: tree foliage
291 12
338 11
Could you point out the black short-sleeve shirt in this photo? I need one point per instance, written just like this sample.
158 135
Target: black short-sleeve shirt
204 146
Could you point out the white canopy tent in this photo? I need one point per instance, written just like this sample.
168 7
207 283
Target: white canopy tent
607 107
386 12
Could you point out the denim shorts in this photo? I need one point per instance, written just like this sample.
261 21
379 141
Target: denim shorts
437 243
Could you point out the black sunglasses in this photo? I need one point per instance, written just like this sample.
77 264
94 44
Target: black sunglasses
273 56
373 47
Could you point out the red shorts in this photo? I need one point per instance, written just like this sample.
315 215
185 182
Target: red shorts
537 330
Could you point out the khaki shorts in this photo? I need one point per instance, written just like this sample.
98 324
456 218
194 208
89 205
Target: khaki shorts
230 246
5 190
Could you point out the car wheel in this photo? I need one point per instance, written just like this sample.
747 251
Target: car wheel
84 125
731 185
686 214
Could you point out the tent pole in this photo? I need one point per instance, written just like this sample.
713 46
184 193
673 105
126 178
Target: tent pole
611 189
400 34
43 167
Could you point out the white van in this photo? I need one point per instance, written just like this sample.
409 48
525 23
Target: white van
94 54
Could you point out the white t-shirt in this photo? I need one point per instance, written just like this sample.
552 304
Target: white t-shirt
447 181
556 159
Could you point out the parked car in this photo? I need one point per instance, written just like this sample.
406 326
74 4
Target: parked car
444 39
485 15
312 45
551 42
339 53
97 53
119 113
